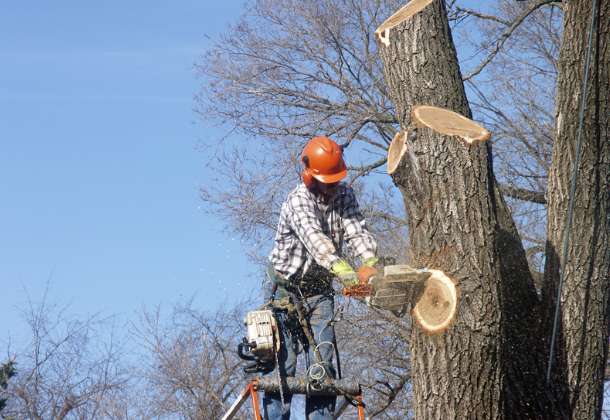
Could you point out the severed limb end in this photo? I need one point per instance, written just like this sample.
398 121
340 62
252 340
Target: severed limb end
396 151
449 123
411 8
399 147
436 308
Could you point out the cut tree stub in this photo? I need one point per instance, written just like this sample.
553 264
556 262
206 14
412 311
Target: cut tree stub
449 123
396 151
437 307
404 13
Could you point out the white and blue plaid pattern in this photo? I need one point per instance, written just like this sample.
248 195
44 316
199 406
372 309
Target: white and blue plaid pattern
311 233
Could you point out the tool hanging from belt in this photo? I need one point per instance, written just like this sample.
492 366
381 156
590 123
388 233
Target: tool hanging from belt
262 343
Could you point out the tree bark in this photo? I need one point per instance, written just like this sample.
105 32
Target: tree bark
582 345
446 188
491 364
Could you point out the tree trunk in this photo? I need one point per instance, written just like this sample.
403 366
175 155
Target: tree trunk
446 188
582 344
492 363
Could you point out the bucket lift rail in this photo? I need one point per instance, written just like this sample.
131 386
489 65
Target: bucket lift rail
291 385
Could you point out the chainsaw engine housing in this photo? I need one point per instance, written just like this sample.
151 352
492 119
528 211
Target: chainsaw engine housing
261 327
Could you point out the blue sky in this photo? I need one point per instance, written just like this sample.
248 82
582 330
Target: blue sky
99 159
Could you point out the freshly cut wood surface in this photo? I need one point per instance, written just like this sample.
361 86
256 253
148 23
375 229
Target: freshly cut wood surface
383 32
437 307
449 123
396 151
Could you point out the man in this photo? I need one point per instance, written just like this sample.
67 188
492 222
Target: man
317 218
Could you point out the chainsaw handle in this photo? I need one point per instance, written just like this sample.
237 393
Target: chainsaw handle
242 355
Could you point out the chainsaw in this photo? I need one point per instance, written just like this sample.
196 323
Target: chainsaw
261 343
431 295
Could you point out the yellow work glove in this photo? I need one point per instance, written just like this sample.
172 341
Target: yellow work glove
370 262
345 273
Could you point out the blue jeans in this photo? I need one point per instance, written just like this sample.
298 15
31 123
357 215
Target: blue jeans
320 315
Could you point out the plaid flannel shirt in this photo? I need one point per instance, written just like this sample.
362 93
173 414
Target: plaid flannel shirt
311 233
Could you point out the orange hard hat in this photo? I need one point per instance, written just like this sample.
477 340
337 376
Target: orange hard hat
323 159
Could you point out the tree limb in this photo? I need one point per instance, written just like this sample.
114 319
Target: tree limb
523 194
365 170
481 15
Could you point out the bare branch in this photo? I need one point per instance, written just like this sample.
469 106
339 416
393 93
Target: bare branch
506 34
480 15
61 373
523 194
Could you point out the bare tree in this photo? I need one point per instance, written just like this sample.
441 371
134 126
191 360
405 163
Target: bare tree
191 367
312 70
70 368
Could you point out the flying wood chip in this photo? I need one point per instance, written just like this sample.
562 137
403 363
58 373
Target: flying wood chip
437 306
449 123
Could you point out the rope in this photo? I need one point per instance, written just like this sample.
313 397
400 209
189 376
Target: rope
575 170
316 373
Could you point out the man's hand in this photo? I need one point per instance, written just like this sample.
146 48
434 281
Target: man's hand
365 273
345 273
367 270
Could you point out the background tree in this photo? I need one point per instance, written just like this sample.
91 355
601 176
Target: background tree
584 297
7 371
67 369
192 369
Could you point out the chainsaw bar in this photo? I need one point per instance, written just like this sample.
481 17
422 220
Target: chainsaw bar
399 286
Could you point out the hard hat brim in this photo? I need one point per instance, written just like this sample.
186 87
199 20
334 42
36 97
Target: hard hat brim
331 178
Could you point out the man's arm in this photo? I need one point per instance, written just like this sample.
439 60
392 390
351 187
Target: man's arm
360 241
305 223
